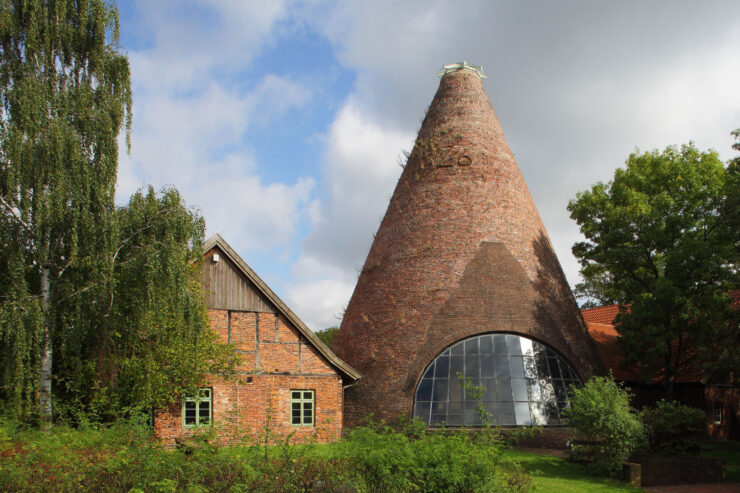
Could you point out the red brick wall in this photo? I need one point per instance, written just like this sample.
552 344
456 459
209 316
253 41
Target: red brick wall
258 398
729 396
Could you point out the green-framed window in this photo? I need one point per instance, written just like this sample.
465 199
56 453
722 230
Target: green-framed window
198 410
302 407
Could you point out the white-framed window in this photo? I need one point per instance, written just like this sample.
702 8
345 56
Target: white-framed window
718 408
302 407
198 410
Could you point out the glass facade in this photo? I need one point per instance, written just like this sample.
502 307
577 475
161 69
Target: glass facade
518 381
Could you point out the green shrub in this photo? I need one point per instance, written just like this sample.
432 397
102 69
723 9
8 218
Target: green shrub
673 428
125 457
439 461
600 415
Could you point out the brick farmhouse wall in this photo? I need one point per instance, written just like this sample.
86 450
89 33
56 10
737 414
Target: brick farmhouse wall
275 359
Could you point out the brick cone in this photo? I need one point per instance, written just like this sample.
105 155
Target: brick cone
461 251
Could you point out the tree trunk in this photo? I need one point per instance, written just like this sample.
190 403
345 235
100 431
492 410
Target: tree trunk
45 411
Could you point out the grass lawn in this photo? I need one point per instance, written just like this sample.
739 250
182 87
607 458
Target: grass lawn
553 474
731 453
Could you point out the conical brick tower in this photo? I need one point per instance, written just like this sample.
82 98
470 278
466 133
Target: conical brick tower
461 251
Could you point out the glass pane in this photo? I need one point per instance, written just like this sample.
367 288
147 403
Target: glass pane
190 413
543 370
530 369
519 389
421 411
456 390
503 390
486 366
527 347
456 365
440 390
442 367
506 413
534 390
204 412
517 367
489 385
430 371
513 344
499 344
502 367
308 395
485 344
554 370
539 416
521 411
471 366
424 391
458 348
295 395
471 415
471 346
560 393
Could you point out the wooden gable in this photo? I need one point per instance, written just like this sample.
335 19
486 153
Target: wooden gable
227 288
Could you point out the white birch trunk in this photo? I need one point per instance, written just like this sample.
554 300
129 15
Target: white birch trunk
45 410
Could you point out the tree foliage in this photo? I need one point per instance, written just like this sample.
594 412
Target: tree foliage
328 335
156 342
658 243
64 96
114 292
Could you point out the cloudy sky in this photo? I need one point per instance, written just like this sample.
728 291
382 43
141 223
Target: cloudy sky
283 122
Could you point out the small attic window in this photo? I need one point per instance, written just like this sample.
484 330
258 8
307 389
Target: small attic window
216 257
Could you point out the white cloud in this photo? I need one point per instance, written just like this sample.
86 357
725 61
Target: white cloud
192 115
320 303
360 171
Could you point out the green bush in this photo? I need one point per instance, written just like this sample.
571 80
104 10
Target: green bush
601 417
439 461
673 428
125 457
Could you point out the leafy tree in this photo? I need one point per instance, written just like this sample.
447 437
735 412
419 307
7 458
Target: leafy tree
657 243
64 96
156 342
328 335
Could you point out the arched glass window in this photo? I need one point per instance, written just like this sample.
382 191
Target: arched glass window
523 382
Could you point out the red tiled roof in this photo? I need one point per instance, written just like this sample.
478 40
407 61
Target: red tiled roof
601 315
602 331
605 337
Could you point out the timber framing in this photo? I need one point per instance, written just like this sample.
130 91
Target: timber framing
349 375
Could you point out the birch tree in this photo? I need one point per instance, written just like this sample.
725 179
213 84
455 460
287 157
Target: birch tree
64 97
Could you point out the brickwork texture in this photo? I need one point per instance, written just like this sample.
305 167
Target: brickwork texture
461 251
255 405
